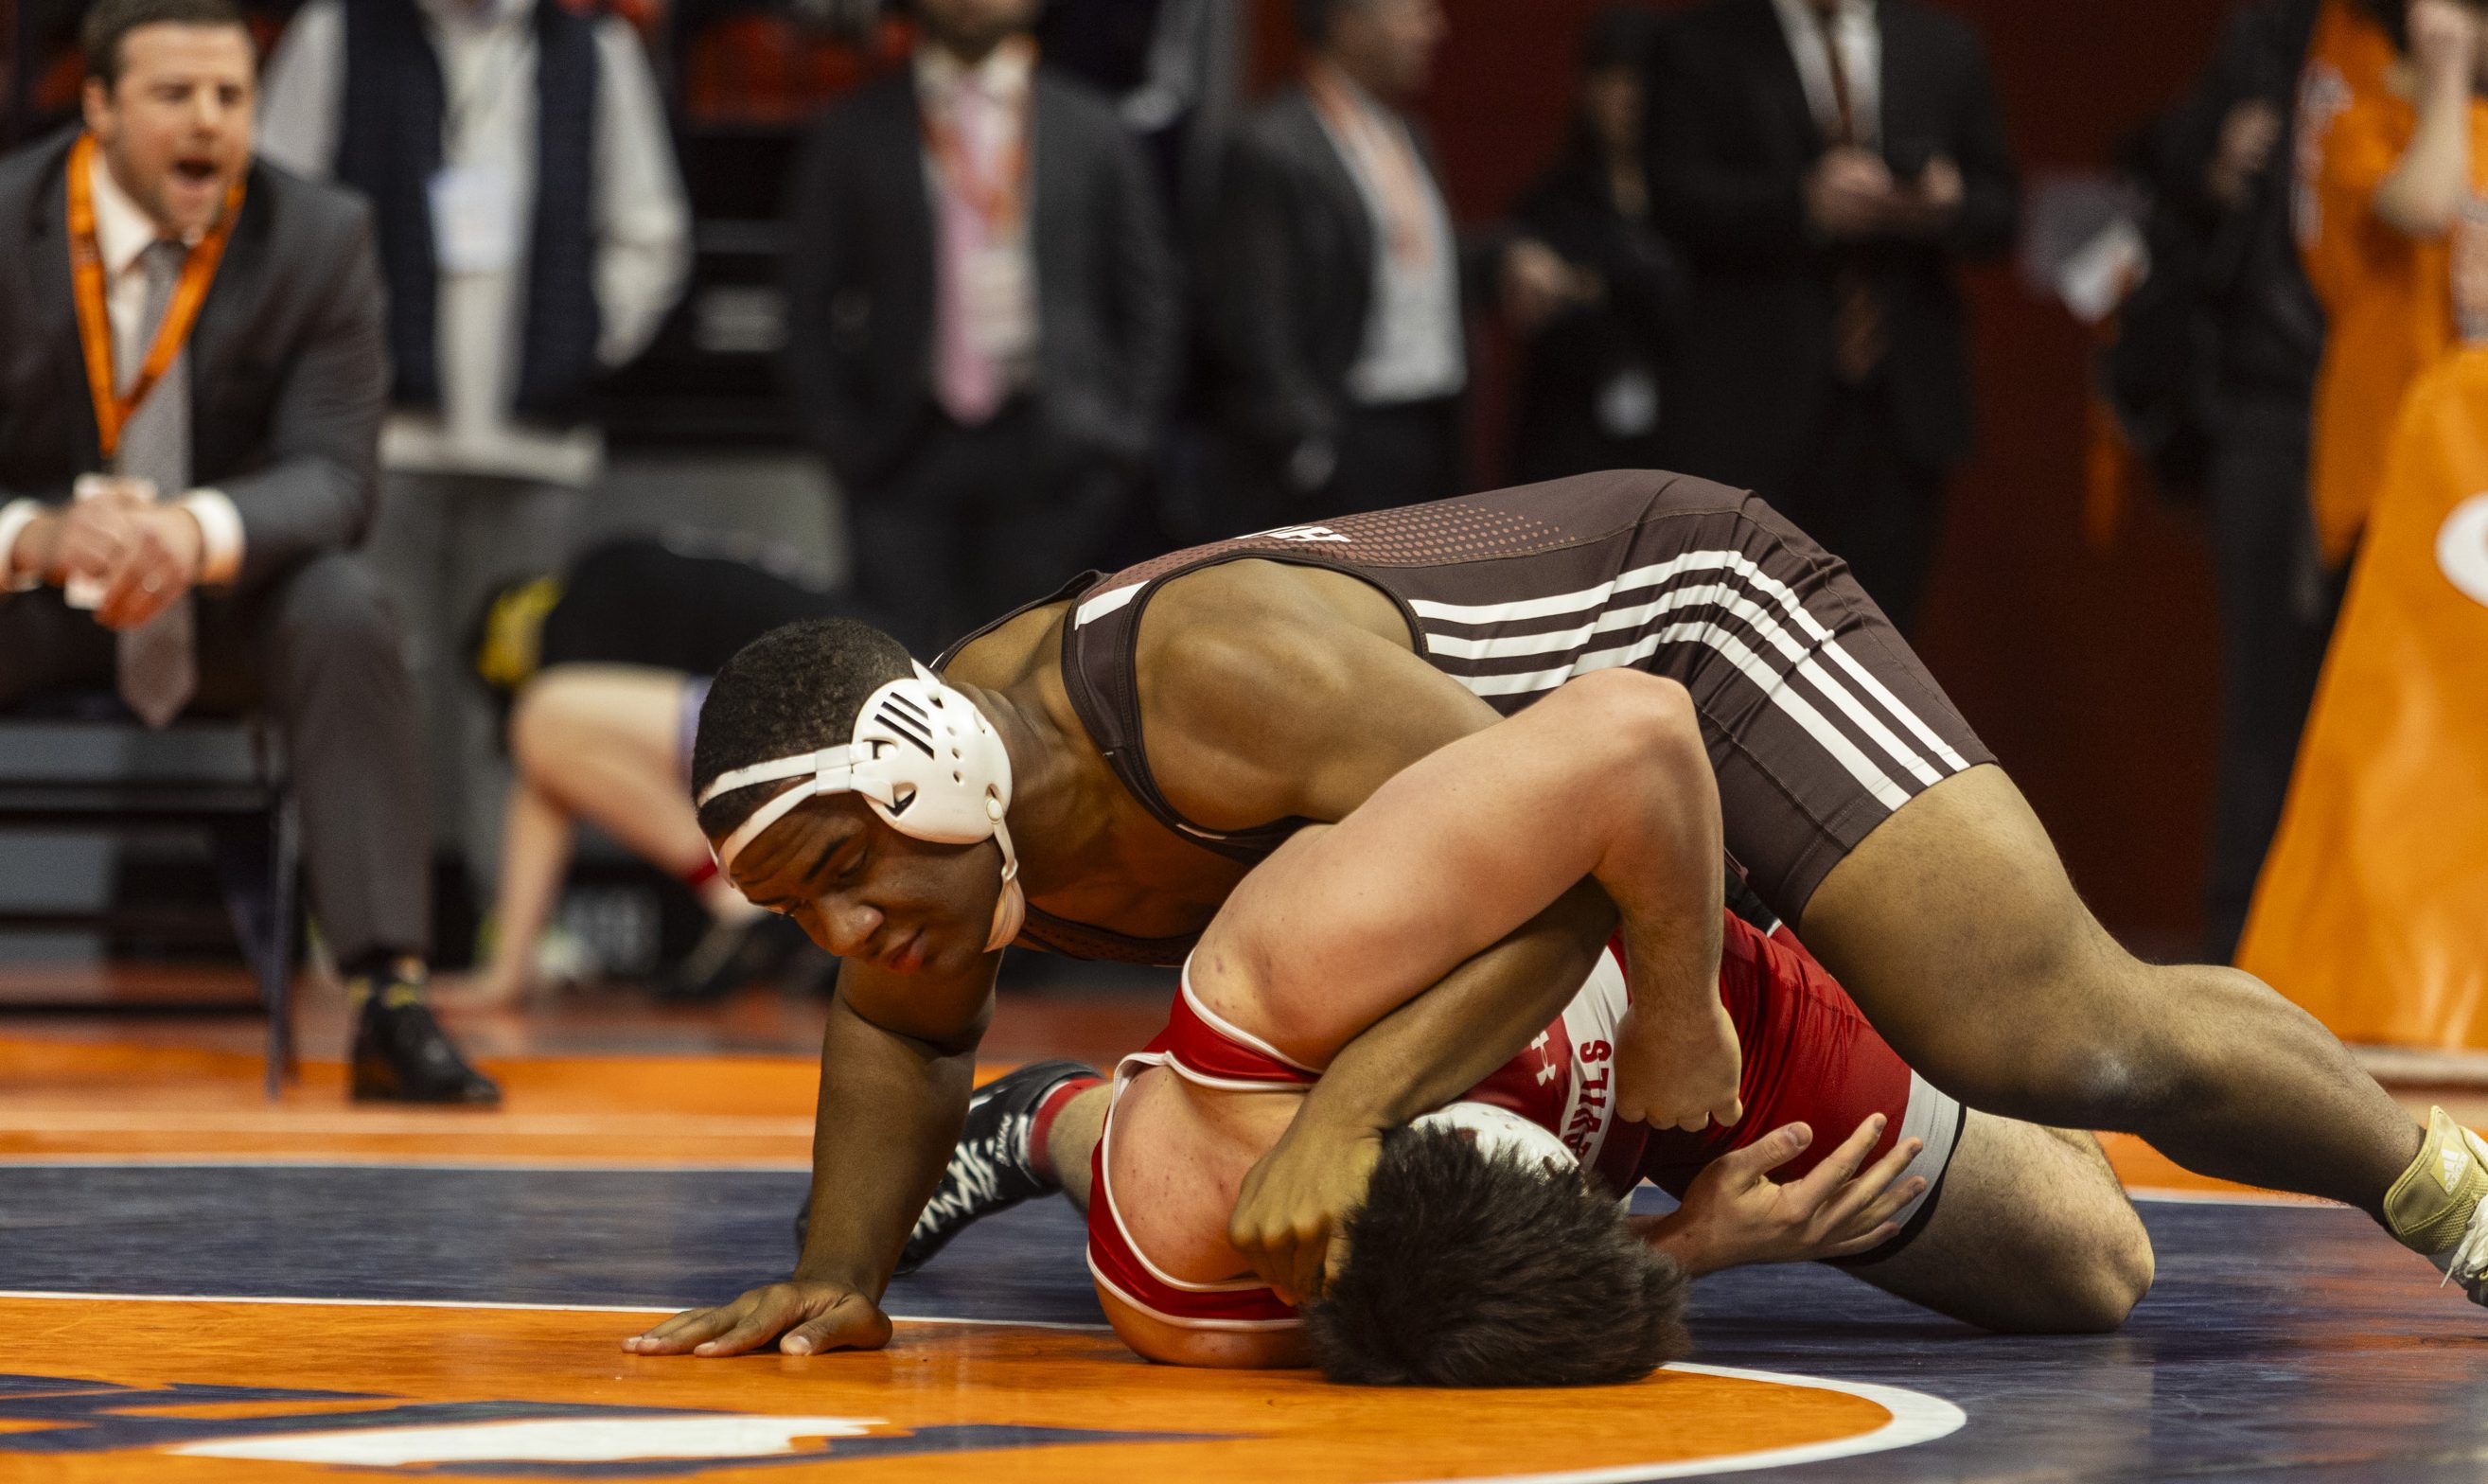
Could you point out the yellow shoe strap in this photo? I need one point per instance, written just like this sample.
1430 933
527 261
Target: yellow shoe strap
2428 1207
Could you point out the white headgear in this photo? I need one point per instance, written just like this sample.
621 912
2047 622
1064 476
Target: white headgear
927 761
1497 1130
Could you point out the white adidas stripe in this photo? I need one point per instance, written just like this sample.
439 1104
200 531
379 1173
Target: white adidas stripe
1774 684
1566 602
1718 594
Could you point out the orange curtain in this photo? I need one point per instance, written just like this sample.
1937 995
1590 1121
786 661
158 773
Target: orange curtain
2372 911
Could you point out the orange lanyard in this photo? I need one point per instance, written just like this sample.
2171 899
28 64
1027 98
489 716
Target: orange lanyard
998 198
1390 160
95 326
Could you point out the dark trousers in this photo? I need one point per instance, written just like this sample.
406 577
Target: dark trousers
1405 453
2277 608
977 521
1866 499
317 649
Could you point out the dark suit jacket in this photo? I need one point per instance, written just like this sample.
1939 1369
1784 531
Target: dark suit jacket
1287 275
289 369
860 282
1731 139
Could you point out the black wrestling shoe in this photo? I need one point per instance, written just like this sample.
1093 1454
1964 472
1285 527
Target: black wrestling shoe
990 1171
732 955
401 1055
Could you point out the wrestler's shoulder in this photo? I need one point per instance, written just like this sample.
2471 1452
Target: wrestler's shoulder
1255 634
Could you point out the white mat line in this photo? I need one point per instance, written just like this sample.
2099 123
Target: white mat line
2176 1197
476 1125
1916 1417
404 1162
459 1303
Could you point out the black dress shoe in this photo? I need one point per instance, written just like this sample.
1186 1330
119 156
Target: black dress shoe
401 1055
993 1169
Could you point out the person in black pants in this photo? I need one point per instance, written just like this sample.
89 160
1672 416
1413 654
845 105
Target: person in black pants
2221 169
1826 165
1589 395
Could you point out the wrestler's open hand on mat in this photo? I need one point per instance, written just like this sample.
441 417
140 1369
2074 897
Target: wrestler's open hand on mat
1735 1214
812 1316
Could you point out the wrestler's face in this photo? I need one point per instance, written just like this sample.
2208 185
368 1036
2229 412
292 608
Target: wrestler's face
175 123
862 890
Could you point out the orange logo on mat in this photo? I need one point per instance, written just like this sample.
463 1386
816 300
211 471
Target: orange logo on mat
211 1390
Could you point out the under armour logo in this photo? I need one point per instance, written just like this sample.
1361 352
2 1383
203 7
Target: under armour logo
1304 533
2454 1159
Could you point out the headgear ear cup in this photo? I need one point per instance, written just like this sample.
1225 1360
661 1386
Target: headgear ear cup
924 759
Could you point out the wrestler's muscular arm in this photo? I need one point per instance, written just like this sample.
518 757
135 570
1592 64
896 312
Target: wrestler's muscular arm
1272 691
897 1060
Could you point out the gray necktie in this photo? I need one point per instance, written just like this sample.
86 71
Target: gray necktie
158 662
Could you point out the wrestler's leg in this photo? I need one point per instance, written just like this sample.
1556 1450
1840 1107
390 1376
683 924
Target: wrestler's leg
1068 1145
1955 930
2030 1234
604 741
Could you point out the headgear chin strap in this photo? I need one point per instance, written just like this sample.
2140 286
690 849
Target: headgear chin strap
927 761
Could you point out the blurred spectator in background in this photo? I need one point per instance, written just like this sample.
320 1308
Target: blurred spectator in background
1334 283
533 234
1171 67
211 375
1826 165
2220 174
602 669
2395 136
1590 395
982 321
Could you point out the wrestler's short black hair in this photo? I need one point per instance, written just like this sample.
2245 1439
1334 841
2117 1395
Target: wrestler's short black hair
1470 1270
792 690
100 33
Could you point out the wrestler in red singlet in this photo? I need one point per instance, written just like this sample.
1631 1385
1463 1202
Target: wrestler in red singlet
1809 1056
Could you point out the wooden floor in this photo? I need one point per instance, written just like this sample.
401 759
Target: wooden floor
200 1285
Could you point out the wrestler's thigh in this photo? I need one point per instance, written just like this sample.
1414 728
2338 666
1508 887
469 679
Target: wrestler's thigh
2031 1234
635 708
1954 926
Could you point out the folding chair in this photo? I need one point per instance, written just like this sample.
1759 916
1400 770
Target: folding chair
82 766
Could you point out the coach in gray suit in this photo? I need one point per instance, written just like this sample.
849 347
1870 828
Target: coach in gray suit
982 320
203 335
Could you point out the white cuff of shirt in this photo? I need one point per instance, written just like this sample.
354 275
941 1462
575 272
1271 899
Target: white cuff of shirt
15 516
220 535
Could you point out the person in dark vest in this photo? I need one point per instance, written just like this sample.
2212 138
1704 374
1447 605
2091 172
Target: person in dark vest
195 348
532 235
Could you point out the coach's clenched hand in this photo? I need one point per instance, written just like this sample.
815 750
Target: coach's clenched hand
811 1315
1291 1213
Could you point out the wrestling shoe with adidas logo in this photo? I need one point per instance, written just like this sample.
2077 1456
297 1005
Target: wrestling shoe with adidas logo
991 1170
2440 1206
